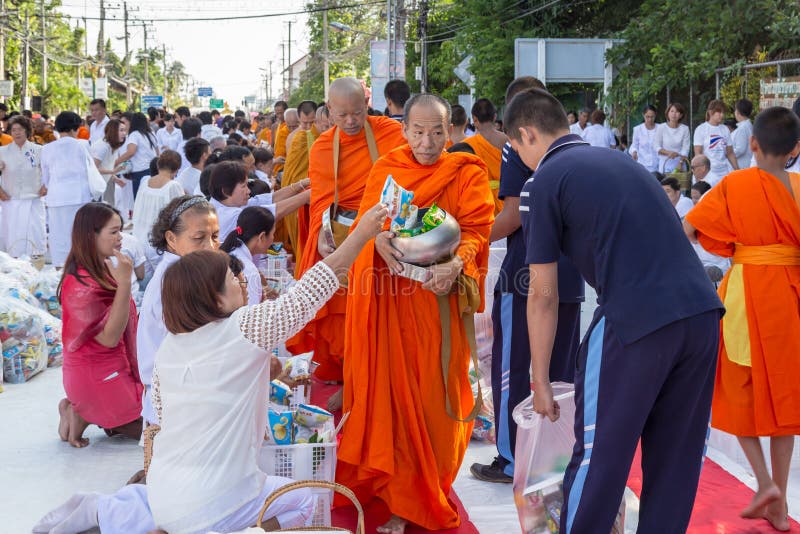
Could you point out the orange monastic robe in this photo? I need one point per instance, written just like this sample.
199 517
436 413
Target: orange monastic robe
295 170
279 148
399 444
5 139
491 155
324 333
749 208
265 135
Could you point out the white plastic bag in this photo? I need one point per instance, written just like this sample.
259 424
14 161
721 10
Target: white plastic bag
25 349
543 451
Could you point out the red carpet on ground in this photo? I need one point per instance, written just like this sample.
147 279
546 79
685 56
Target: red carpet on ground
720 498
376 512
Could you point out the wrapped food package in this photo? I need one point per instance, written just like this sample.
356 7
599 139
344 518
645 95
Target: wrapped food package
22 333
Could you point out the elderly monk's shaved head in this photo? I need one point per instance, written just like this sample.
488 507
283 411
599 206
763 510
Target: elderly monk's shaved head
322 119
348 105
426 123
292 119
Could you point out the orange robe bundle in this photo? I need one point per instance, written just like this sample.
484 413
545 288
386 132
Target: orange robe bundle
265 135
491 156
399 444
751 216
295 170
324 333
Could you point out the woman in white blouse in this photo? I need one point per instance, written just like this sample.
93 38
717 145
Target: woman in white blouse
253 235
22 225
672 139
211 381
643 147
140 149
155 193
65 163
105 153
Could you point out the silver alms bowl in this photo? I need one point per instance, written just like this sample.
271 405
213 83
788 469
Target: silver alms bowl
431 247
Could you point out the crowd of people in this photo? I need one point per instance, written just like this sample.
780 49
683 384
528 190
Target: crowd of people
193 202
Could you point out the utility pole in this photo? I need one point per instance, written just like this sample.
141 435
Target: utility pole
26 54
290 57
146 63
101 38
44 49
390 51
283 63
326 75
269 81
128 98
423 35
164 57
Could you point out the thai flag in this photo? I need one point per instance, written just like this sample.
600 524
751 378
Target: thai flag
714 141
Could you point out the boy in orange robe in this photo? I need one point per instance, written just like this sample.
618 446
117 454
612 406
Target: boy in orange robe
348 110
488 144
399 443
753 215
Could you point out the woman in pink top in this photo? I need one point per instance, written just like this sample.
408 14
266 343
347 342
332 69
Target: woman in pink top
101 376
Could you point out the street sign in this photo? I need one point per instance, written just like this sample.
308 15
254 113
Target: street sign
6 87
205 91
87 87
216 103
154 101
101 88
249 100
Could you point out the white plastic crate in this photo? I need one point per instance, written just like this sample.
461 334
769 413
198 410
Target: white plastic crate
304 461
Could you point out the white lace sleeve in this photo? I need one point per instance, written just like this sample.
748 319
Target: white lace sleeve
156 394
274 321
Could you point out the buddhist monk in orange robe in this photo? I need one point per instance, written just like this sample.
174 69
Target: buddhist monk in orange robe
291 123
399 444
753 216
312 123
488 144
348 110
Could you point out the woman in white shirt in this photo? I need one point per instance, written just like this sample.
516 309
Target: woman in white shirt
253 235
141 148
105 153
155 193
643 147
169 137
598 134
65 163
230 195
186 224
672 139
713 139
211 381
22 224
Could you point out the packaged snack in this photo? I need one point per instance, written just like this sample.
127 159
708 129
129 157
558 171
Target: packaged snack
409 233
298 367
45 289
310 416
24 346
280 393
397 199
483 430
433 217
281 424
313 425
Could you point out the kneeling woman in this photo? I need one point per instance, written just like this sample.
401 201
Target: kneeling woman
101 376
210 386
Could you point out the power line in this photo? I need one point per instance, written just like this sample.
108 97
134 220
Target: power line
258 16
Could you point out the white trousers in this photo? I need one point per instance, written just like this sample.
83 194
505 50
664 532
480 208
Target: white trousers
128 512
60 220
22 227
123 200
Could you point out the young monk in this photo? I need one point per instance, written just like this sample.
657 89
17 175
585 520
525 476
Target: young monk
400 445
753 215
488 144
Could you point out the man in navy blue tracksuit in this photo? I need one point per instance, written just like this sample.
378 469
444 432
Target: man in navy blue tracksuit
511 355
646 369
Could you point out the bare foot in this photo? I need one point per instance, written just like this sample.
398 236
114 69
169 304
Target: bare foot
778 516
63 423
395 525
335 401
77 425
138 478
763 497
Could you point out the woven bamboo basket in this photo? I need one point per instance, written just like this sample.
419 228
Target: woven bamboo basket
338 488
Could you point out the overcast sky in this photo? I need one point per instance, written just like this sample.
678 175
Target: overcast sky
223 54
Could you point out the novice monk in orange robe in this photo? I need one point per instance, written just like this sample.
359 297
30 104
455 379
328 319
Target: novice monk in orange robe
296 169
753 215
288 126
399 444
488 144
348 110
